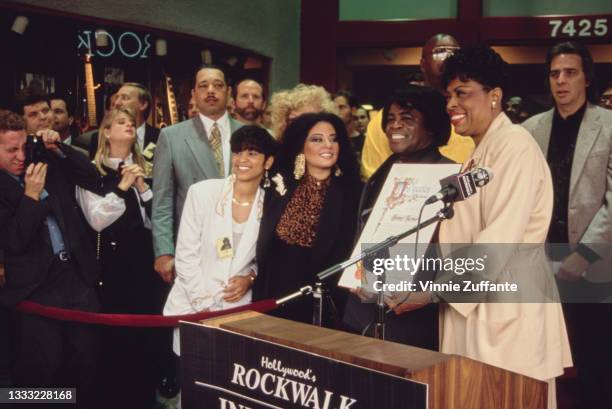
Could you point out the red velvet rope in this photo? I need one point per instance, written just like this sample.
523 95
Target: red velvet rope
133 320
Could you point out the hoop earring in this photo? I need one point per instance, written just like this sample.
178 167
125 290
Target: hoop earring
299 167
266 183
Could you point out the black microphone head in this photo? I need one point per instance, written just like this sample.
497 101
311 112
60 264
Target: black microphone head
482 175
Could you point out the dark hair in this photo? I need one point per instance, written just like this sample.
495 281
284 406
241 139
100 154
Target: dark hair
209 67
29 96
415 77
235 88
293 144
111 89
351 100
574 47
253 137
10 121
430 103
67 100
478 63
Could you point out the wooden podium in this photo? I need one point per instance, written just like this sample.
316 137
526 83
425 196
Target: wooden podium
453 381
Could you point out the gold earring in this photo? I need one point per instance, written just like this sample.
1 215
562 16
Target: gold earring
299 167
266 183
493 104
338 171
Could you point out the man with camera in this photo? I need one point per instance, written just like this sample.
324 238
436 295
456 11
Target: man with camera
48 257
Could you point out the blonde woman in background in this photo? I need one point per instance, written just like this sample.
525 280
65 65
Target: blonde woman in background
287 105
120 214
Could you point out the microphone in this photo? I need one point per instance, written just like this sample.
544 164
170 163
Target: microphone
460 186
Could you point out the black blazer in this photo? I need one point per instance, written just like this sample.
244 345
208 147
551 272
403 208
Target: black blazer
25 238
418 328
334 236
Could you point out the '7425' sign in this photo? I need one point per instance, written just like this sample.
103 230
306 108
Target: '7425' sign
579 27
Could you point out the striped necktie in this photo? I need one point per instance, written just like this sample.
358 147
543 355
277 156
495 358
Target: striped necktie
215 143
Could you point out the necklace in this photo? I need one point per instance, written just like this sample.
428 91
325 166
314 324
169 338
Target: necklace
243 204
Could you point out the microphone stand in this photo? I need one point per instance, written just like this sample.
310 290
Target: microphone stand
379 326
445 213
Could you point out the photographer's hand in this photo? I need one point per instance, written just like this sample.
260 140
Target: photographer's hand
35 177
50 139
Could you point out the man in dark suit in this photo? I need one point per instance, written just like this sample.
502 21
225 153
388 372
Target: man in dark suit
63 121
48 258
34 105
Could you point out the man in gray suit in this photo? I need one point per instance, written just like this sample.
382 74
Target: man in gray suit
186 153
576 137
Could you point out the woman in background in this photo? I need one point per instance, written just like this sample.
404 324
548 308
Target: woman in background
287 105
120 217
309 213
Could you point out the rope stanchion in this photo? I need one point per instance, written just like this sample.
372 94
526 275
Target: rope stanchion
133 320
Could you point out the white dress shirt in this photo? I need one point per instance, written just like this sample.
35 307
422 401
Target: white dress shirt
102 211
140 136
226 132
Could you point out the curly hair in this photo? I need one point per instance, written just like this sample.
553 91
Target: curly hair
293 144
430 103
284 102
103 151
478 63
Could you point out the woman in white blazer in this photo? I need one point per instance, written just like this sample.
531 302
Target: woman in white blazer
215 250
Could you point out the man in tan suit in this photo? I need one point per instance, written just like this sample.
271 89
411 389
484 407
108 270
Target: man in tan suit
576 137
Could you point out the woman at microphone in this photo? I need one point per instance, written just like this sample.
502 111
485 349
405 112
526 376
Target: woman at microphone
416 124
527 337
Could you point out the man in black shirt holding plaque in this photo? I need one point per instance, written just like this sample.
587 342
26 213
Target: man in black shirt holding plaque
576 136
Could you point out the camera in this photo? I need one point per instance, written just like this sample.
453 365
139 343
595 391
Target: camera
35 150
